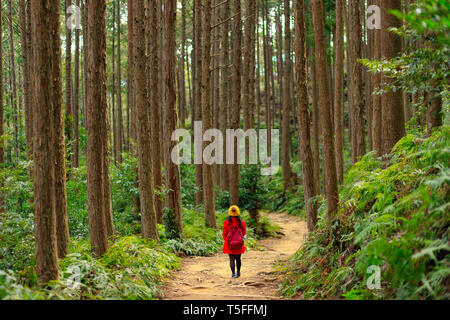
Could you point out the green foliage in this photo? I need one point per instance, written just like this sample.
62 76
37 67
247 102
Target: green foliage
394 217
251 189
124 193
169 224
222 199
281 200
429 16
16 241
197 239
17 187
77 203
424 64
189 189
132 270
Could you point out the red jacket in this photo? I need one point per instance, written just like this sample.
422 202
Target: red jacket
226 227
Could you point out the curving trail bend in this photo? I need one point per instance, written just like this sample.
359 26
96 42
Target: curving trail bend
209 278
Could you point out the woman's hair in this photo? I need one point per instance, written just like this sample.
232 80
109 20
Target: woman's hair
230 217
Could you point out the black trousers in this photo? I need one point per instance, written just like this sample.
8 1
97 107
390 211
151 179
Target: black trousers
235 260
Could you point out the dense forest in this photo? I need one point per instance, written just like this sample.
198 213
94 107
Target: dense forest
129 127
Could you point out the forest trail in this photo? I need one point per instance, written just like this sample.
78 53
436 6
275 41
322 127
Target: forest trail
209 278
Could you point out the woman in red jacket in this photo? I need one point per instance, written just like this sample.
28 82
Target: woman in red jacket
234 233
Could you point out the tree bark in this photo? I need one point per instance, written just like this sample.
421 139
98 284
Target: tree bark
69 98
339 90
376 99
208 181
182 87
146 190
329 158
248 74
356 80
155 108
235 100
119 120
173 182
224 105
2 144
268 114
434 117
304 115
315 120
393 122
97 121
14 105
25 36
285 131
198 91
76 100
47 61
131 90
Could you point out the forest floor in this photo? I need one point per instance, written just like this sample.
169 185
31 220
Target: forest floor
209 278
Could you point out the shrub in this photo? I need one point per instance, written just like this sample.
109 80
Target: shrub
395 218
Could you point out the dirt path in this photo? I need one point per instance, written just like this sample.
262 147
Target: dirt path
209 278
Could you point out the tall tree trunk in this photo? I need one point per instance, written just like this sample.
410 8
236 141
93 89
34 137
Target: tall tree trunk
303 114
368 54
97 122
85 59
215 45
376 99
329 158
279 42
249 4
252 90
161 61
119 121
2 143
155 107
106 127
25 35
182 87
198 91
14 84
76 100
224 105
146 190
356 80
173 182
235 100
208 181
112 105
339 90
285 131
393 122
47 60
315 120
258 72
268 117
131 89
62 220
189 88
69 98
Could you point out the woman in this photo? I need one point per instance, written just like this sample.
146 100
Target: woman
234 234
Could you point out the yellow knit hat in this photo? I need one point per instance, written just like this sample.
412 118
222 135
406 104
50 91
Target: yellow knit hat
234 211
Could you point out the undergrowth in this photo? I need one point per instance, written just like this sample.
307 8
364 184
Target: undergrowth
391 215
133 268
